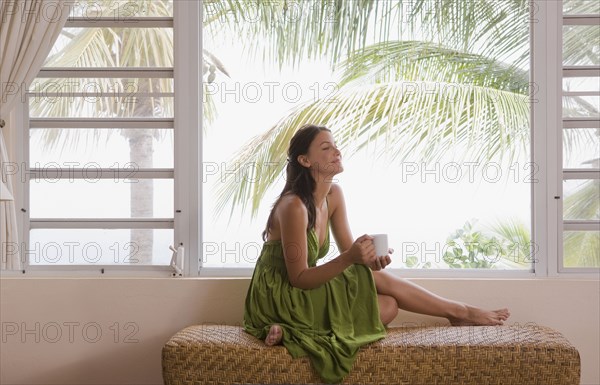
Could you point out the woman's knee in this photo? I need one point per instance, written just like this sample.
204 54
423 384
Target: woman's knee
388 308
385 283
382 282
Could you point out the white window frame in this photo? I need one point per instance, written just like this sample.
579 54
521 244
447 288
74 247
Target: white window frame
541 48
564 173
546 147
187 126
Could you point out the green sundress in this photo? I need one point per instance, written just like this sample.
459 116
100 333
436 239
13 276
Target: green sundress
329 323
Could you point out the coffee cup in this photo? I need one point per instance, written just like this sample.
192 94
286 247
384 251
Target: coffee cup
380 241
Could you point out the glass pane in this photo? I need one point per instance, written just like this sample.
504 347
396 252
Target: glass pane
581 106
121 9
581 45
112 47
102 86
101 107
100 247
101 198
581 199
428 207
581 248
581 148
581 7
582 84
101 148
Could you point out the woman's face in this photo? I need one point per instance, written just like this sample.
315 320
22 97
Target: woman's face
323 156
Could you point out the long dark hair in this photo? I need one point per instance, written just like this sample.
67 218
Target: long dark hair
299 180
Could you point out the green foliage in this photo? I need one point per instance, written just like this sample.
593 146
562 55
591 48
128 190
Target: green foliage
515 237
471 248
584 202
412 262
476 59
108 48
581 248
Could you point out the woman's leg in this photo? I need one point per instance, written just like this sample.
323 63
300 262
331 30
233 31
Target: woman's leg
388 308
416 299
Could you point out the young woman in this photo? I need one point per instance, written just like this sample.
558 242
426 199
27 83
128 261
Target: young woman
329 311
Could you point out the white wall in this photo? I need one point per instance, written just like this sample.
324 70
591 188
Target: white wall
157 308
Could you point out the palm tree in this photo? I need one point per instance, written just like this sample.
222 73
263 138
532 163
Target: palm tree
123 47
463 50
477 50
582 248
117 47
516 238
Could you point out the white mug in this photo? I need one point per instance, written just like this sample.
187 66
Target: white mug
380 241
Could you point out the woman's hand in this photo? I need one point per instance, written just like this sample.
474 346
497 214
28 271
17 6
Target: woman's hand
379 263
362 250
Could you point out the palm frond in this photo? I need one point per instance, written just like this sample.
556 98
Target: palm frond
580 140
516 236
493 28
581 7
110 47
580 45
287 32
584 202
581 248
426 61
385 120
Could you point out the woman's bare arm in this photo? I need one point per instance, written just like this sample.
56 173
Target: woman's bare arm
293 221
339 219
341 227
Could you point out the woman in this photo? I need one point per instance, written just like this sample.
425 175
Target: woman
329 311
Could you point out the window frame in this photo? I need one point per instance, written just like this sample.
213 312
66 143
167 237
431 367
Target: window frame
546 148
182 22
564 174
538 42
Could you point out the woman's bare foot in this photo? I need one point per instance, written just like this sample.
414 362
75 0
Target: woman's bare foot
475 316
274 336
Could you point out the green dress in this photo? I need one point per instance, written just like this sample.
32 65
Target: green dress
329 323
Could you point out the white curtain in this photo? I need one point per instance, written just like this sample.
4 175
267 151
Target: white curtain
28 30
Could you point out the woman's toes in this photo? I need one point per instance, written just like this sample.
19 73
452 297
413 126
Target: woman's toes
274 336
503 314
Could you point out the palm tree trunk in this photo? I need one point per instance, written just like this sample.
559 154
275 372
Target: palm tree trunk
142 194
141 151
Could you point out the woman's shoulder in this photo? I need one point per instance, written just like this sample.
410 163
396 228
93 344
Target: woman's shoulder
335 190
291 205
335 200
335 195
288 209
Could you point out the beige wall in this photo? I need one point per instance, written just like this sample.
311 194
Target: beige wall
136 317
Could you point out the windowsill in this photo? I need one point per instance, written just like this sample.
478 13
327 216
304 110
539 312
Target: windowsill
213 274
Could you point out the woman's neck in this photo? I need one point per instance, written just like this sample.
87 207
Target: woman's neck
321 190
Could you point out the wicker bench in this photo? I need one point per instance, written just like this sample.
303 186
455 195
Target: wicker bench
519 355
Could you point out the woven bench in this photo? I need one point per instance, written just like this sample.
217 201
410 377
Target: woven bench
467 355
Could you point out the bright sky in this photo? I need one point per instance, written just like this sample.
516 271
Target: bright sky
414 214
418 206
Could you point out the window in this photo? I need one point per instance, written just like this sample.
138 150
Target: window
432 118
580 198
101 140
445 146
